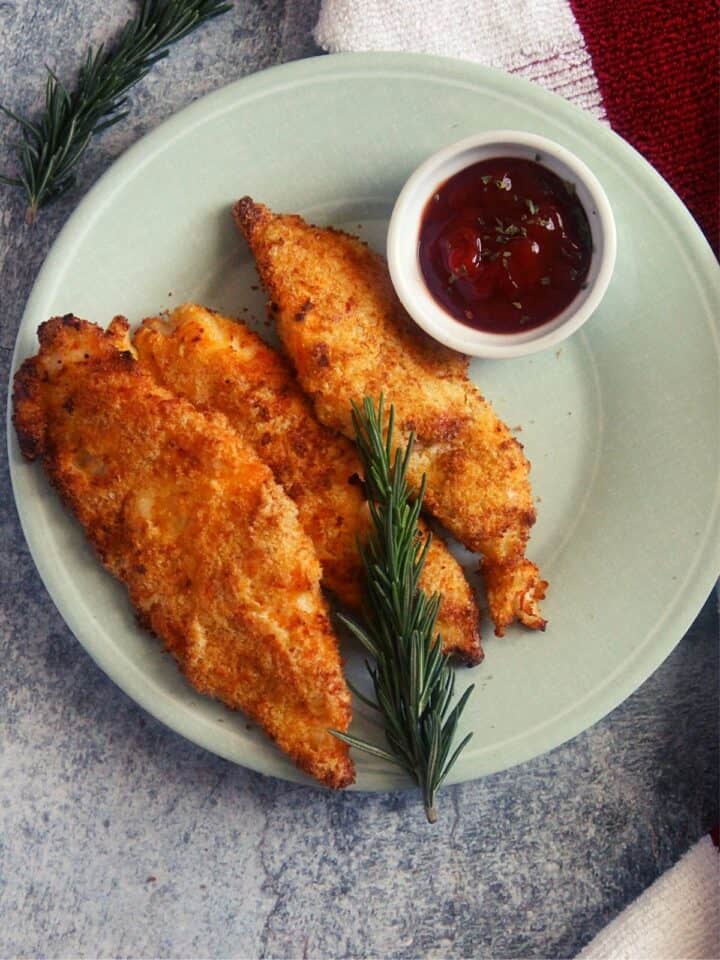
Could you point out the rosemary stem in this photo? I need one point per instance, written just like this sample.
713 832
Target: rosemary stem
413 683
51 148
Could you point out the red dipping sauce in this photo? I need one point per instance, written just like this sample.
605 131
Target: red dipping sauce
505 245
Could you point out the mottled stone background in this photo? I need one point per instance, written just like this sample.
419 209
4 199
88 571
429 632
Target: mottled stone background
118 838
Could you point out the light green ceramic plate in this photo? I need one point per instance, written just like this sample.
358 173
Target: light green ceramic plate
621 424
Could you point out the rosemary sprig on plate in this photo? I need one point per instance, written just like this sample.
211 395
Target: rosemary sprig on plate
413 682
52 145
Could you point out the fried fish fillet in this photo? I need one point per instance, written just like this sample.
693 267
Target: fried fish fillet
219 364
209 546
348 336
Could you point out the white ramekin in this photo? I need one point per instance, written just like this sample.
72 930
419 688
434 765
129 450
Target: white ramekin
403 236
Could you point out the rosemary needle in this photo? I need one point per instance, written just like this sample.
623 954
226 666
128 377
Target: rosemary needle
412 680
52 145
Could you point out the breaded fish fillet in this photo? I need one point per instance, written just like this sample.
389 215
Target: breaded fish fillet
219 364
209 546
348 336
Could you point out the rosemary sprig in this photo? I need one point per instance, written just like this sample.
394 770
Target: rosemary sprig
52 145
413 681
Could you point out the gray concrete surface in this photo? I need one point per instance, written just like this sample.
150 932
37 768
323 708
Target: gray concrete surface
118 838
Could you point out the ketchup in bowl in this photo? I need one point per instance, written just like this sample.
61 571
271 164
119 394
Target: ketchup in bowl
504 245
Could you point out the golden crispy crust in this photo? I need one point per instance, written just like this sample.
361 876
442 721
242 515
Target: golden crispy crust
208 545
514 591
219 364
348 336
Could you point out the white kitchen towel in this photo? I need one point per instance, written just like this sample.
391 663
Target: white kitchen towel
677 918
535 39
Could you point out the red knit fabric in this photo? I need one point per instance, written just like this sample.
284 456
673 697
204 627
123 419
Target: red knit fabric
657 64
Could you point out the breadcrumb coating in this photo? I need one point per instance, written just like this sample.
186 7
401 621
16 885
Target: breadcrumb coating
185 514
220 365
348 336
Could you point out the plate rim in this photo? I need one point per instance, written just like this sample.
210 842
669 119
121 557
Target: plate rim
668 631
